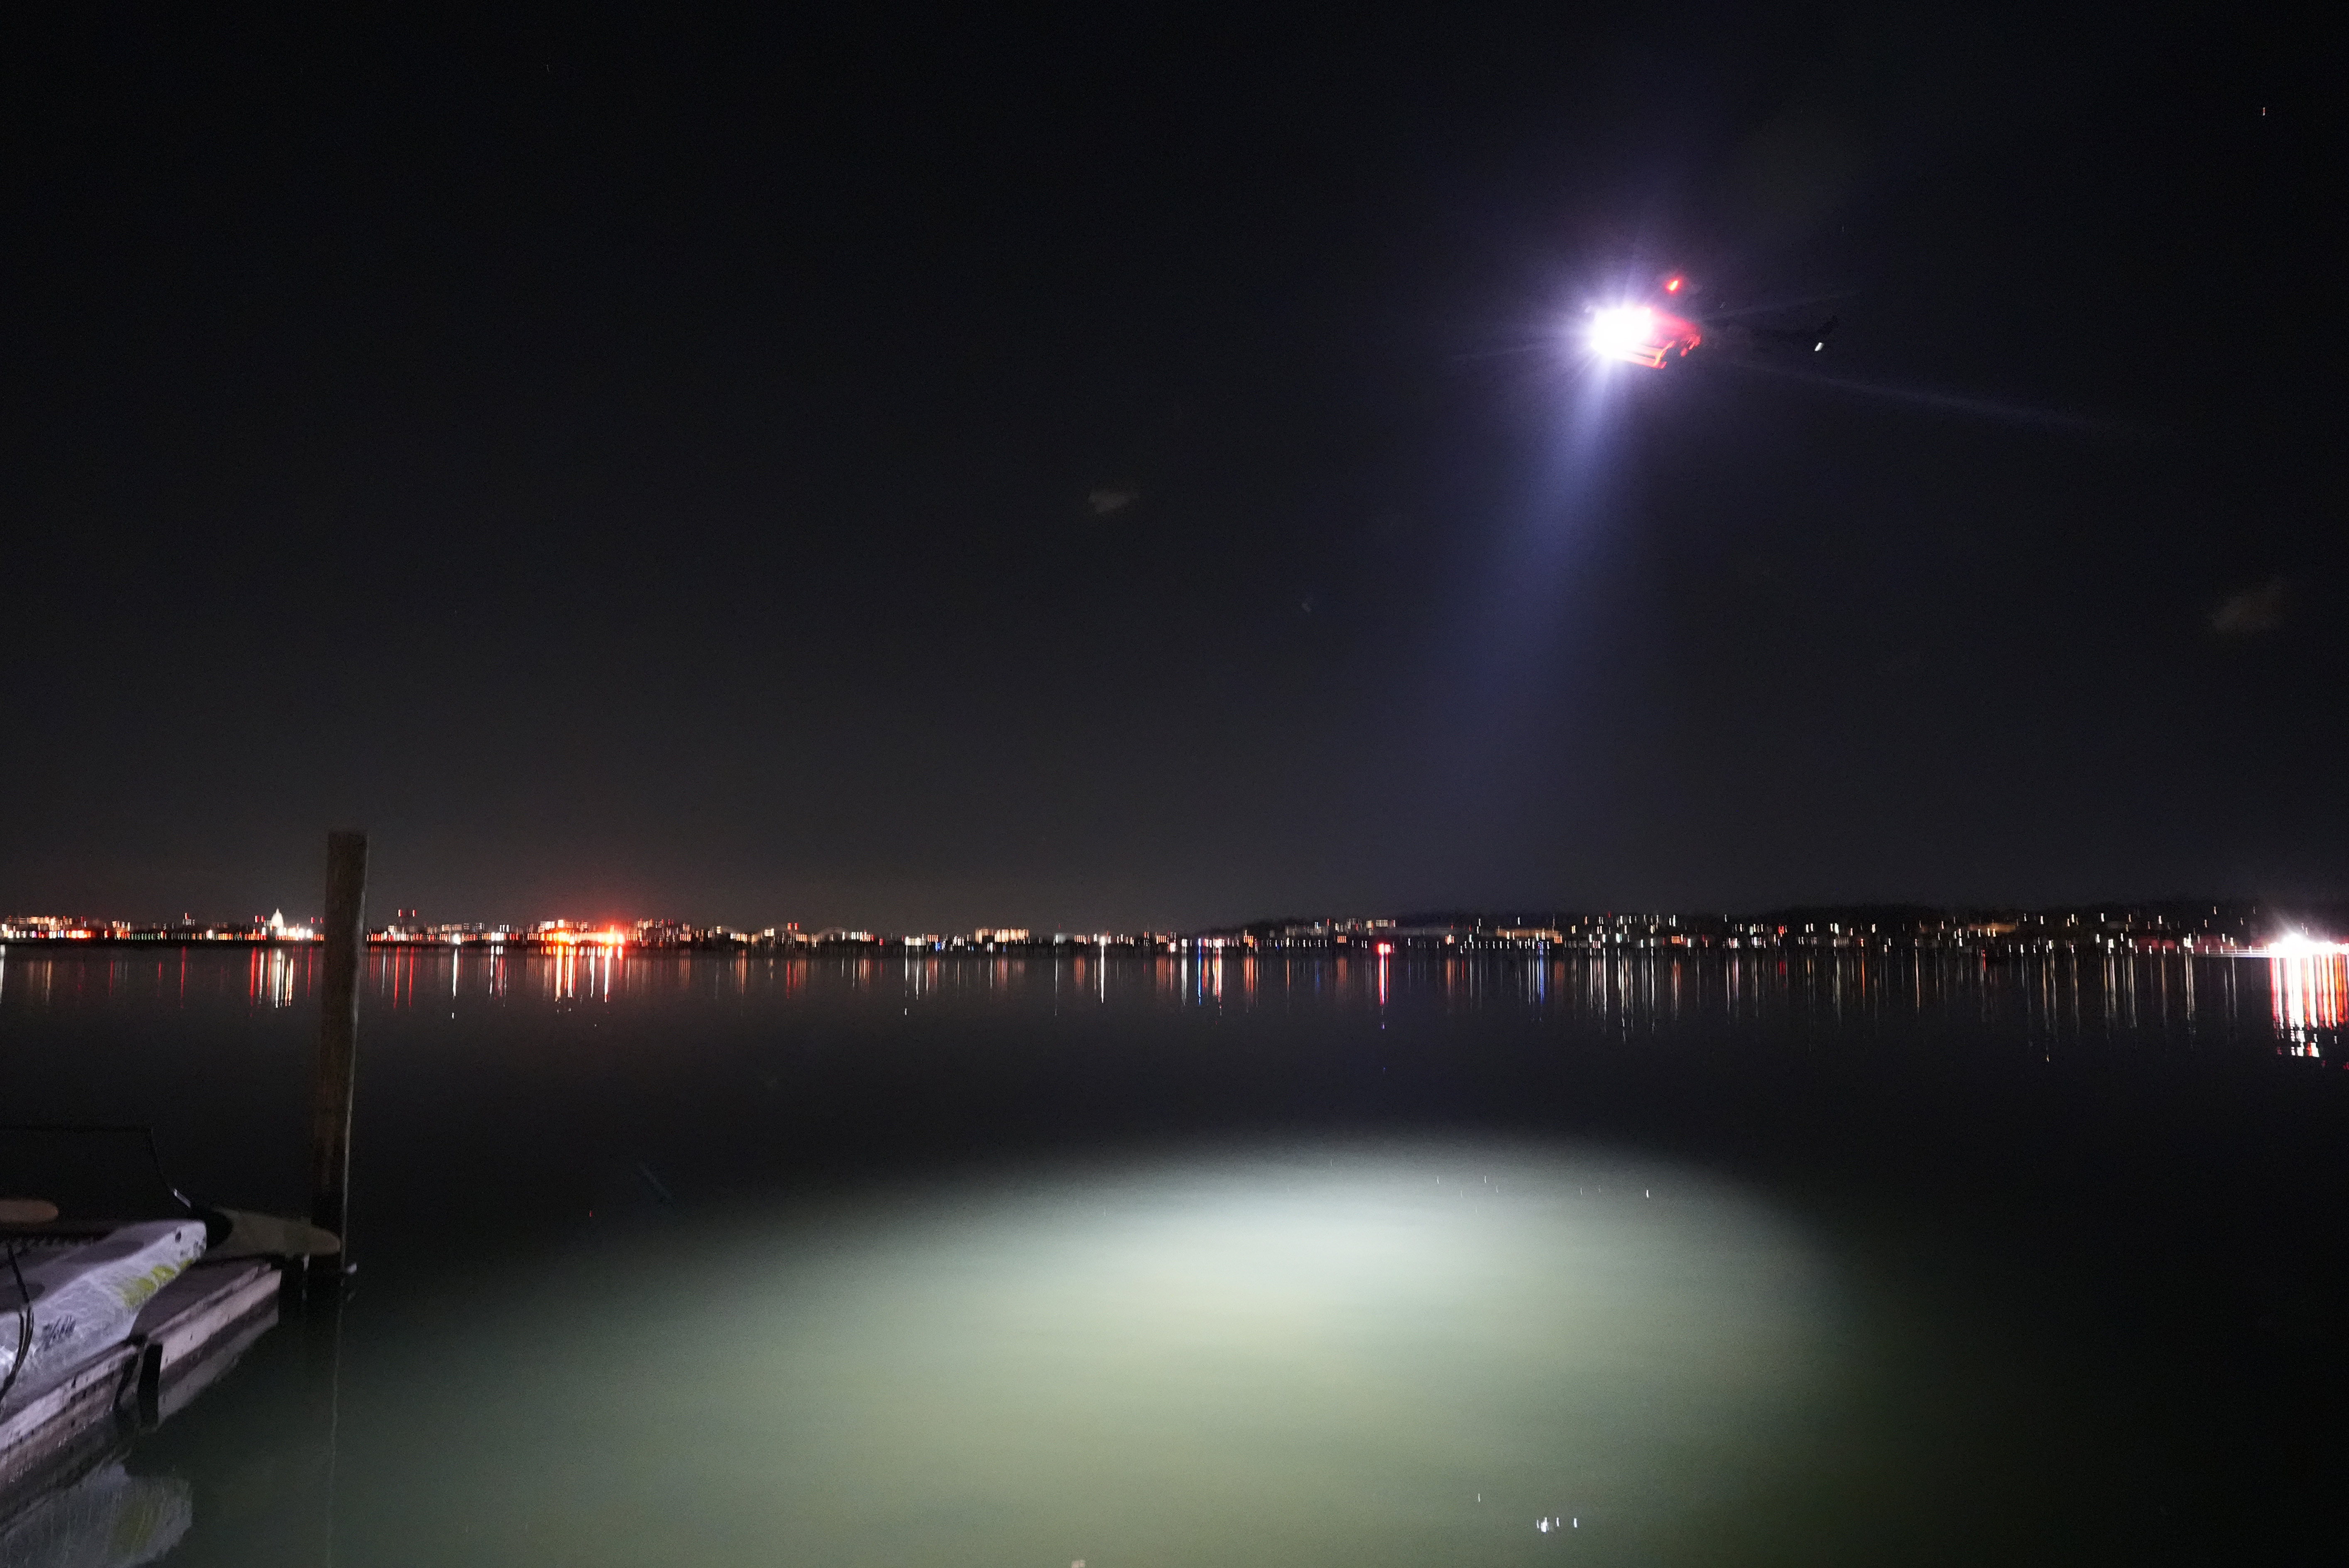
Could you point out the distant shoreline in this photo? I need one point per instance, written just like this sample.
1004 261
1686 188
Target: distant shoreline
2200 927
1211 948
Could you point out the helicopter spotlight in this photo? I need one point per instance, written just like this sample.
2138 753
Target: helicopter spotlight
1642 334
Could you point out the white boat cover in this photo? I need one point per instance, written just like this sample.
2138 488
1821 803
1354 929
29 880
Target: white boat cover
83 1299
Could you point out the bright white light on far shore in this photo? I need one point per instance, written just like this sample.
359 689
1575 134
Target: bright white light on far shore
2297 944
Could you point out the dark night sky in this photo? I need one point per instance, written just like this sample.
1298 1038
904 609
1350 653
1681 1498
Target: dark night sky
648 462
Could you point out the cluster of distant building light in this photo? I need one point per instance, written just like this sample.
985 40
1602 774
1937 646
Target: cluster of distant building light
2218 929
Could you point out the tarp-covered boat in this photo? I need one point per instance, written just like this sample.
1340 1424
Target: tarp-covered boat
70 1303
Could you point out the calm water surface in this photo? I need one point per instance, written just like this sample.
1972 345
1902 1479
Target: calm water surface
690 1260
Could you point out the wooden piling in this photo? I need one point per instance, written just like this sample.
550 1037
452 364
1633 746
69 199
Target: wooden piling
338 1039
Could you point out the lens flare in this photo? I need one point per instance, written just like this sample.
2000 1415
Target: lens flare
1624 331
1640 335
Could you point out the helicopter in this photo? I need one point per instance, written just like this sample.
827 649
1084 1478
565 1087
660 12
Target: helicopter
1653 334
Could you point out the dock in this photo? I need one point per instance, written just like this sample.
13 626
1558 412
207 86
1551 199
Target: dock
191 1333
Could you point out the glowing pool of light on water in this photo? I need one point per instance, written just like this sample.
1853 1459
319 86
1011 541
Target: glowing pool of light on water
1368 1356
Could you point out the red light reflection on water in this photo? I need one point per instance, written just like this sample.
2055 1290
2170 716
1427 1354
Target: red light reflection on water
2307 988
584 970
272 978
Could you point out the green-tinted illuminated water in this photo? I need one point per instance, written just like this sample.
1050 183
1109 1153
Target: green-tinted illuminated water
1238 1361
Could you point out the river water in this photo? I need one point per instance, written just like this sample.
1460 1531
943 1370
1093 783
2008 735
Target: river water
692 1259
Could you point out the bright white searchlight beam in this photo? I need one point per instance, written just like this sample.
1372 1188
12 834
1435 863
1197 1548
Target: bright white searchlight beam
1622 332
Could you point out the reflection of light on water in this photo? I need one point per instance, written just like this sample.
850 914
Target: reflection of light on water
2051 999
108 1519
395 975
2306 984
270 976
1419 1348
585 971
